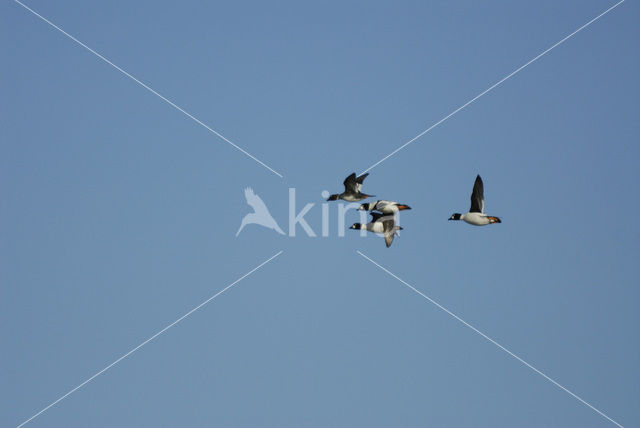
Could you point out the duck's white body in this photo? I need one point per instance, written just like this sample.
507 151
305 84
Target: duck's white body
478 219
378 227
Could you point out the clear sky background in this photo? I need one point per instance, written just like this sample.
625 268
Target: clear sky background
119 214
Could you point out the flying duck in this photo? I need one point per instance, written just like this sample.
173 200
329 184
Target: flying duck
476 215
382 224
352 187
385 207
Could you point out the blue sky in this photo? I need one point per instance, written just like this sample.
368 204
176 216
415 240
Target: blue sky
119 214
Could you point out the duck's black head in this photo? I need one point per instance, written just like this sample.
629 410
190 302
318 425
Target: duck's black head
364 207
455 216
333 197
356 226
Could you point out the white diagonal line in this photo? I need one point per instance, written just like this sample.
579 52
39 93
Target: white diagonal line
171 103
492 87
489 339
150 339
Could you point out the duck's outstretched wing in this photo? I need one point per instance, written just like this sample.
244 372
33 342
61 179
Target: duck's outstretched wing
360 180
477 197
254 201
380 205
389 228
353 184
350 184
389 207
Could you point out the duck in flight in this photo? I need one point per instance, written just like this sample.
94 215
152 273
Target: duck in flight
383 224
352 188
476 215
385 207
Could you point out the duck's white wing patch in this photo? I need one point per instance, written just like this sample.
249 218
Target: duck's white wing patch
359 181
